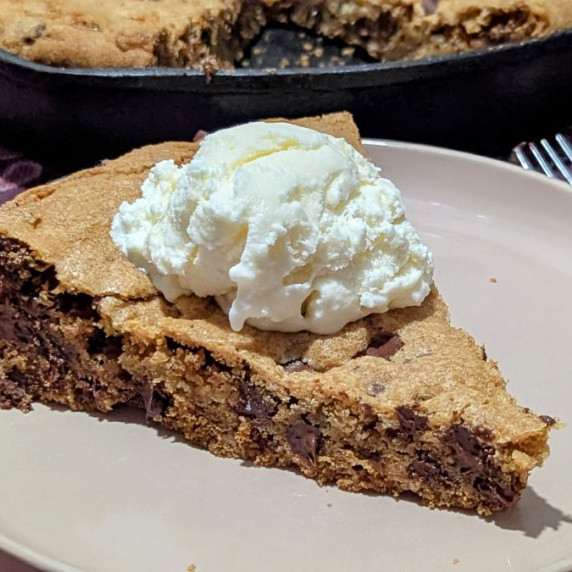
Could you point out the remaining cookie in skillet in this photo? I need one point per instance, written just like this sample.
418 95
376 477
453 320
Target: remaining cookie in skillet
212 34
127 33
394 402
395 29
461 25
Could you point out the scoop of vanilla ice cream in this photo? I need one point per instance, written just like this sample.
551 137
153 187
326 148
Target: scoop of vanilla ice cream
289 228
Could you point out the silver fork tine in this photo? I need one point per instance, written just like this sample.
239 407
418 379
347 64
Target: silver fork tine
544 165
522 157
557 160
551 157
565 145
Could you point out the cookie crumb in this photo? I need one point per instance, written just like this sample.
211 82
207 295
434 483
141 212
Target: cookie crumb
456 561
493 280
329 505
191 568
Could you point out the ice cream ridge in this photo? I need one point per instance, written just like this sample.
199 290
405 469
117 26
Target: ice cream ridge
288 228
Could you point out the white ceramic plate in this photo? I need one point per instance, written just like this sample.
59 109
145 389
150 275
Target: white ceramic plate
104 494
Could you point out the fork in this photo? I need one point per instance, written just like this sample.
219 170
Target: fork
553 158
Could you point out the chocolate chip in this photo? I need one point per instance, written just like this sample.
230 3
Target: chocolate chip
469 454
547 419
296 365
33 34
410 422
369 455
425 468
200 135
25 321
474 461
461 437
13 394
384 345
375 388
483 433
32 317
254 404
506 492
155 403
496 495
25 381
430 6
468 463
304 440
391 433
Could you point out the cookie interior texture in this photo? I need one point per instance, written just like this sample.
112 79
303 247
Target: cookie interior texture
393 403
213 34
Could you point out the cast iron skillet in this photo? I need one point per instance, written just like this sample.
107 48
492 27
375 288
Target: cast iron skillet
477 101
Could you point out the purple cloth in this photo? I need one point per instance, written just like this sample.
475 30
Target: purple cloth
16 173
